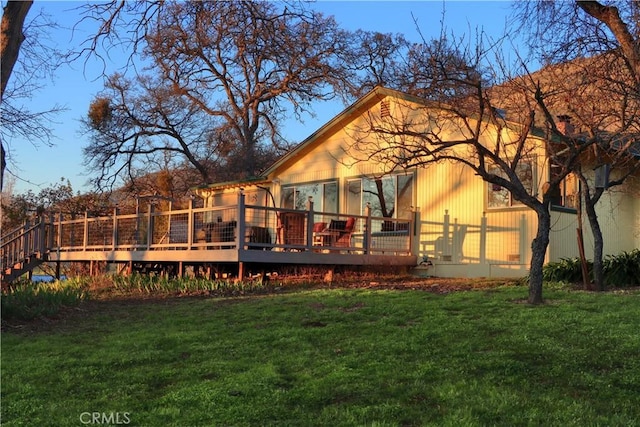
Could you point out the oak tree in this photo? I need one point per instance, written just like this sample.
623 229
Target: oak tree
222 77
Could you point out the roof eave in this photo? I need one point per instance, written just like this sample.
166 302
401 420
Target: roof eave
255 181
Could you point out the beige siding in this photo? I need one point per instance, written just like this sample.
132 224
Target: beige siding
619 220
456 190
450 201
617 215
563 236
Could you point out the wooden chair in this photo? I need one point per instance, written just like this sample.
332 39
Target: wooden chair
292 228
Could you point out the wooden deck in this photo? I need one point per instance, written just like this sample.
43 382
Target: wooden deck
239 234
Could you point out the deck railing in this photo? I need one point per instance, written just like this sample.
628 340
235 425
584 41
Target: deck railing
238 227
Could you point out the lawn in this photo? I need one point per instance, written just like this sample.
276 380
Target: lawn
332 357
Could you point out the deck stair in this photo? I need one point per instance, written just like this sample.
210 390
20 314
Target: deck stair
12 273
22 250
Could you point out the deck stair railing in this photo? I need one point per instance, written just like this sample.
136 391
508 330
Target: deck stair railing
24 248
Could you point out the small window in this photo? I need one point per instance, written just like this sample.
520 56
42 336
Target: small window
566 194
500 197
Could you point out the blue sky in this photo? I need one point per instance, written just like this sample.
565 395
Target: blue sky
39 166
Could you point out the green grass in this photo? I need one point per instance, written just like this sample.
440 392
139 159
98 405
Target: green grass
333 358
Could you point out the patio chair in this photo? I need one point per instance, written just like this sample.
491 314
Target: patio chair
338 233
292 228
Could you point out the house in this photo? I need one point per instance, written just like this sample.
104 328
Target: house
462 225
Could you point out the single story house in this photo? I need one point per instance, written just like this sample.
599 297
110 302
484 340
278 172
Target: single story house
462 226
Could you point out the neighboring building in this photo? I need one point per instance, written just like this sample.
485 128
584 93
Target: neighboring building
464 226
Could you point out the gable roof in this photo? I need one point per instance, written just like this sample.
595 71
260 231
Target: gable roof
338 122
362 104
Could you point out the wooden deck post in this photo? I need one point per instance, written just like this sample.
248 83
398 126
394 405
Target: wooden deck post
366 240
414 234
59 236
59 244
483 238
455 241
50 232
310 222
114 232
190 225
42 243
149 226
71 231
240 271
85 231
446 250
242 226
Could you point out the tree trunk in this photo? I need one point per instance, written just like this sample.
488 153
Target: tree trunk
598 244
13 17
586 282
11 38
590 201
538 252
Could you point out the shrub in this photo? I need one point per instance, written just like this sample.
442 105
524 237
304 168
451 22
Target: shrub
623 269
620 270
566 270
25 300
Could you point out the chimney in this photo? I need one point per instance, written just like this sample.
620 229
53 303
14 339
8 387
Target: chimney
564 125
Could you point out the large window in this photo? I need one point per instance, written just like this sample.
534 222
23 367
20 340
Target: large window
325 196
500 197
389 196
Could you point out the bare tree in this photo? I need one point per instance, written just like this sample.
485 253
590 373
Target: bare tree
37 63
133 122
228 73
597 82
375 59
454 118
11 31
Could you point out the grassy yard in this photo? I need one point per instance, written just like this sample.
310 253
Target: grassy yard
350 357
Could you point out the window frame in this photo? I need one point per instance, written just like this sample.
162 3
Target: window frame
564 195
318 201
511 202
397 212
